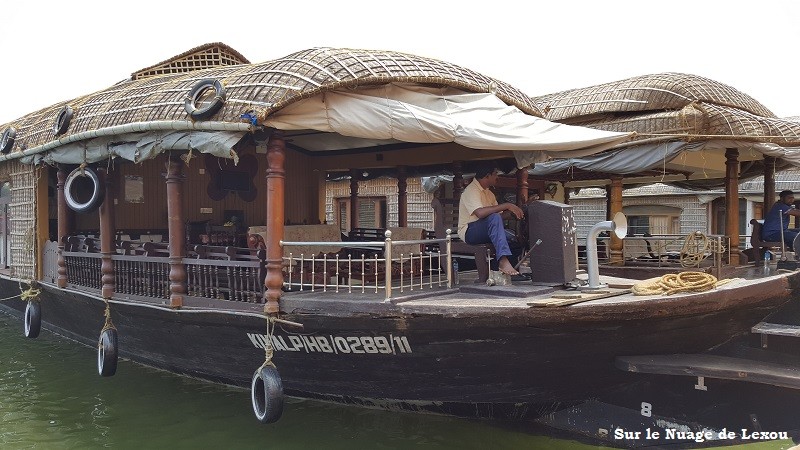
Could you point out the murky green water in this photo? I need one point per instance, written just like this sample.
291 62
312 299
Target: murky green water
52 397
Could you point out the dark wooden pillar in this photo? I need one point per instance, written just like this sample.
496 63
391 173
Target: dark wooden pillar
107 233
64 225
276 177
458 181
732 202
177 231
402 196
566 194
522 186
355 175
769 183
614 206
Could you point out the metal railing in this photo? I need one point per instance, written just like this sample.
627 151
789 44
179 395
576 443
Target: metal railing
364 269
666 249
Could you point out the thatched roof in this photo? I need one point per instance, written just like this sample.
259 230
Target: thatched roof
215 54
669 106
261 88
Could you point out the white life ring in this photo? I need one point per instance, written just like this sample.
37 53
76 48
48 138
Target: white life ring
98 191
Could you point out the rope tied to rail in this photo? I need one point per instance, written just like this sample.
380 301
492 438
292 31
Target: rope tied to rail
697 247
30 294
679 282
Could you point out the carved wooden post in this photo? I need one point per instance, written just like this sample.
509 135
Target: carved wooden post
615 205
276 175
177 231
107 233
732 202
355 175
522 186
567 192
769 183
458 181
64 222
402 197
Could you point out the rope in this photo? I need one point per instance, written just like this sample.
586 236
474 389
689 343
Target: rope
681 282
108 325
268 350
697 247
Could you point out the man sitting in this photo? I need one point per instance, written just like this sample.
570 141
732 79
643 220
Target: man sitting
479 220
781 210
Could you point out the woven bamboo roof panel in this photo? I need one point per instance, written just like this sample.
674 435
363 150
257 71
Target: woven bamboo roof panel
671 91
260 88
203 57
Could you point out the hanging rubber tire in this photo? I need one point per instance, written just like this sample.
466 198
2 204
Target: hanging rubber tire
71 194
266 392
199 104
33 319
7 142
107 353
62 120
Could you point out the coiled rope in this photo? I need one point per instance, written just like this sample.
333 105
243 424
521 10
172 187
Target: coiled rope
697 247
681 282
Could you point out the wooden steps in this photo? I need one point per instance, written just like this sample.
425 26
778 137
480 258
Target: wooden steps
713 366
766 329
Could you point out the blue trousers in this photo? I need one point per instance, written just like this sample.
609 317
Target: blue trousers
489 230
788 236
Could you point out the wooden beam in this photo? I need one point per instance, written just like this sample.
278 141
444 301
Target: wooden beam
276 178
64 224
42 218
522 186
177 230
107 233
458 180
769 182
355 175
614 206
402 196
732 202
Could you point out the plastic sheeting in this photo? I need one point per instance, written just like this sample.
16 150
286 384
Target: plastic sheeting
420 114
138 147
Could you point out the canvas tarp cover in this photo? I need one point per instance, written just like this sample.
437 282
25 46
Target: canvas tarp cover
422 114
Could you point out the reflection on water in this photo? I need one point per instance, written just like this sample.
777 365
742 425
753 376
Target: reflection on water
52 397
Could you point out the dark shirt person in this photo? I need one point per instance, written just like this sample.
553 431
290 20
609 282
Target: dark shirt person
479 219
782 209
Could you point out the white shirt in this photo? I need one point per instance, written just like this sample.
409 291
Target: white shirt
473 197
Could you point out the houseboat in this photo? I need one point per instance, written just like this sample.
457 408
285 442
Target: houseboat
177 219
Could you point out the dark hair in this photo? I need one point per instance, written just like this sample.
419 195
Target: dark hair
484 170
785 194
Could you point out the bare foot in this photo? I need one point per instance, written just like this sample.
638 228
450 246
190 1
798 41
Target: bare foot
506 267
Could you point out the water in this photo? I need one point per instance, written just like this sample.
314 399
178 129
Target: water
52 398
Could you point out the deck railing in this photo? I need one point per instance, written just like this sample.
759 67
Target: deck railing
667 249
361 267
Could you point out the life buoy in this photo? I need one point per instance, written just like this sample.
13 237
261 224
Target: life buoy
71 194
107 353
62 120
199 104
266 391
33 319
7 142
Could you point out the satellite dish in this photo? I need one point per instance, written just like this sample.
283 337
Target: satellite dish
620 224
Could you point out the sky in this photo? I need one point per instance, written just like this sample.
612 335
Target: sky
57 50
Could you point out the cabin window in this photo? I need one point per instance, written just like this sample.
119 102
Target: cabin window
652 219
372 213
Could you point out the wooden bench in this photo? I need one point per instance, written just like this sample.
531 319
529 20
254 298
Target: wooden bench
445 215
759 245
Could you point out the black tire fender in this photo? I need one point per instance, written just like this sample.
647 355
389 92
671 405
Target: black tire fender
198 93
7 141
98 191
62 120
107 353
266 392
33 319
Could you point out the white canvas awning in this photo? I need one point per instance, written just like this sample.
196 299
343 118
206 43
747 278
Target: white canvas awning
421 114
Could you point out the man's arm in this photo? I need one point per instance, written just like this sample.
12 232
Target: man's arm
484 211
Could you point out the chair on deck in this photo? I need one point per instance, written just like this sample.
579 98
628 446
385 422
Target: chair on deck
759 245
445 215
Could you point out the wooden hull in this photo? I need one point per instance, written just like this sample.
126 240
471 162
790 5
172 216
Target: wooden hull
494 363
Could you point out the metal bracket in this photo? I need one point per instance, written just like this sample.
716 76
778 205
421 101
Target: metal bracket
700 386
